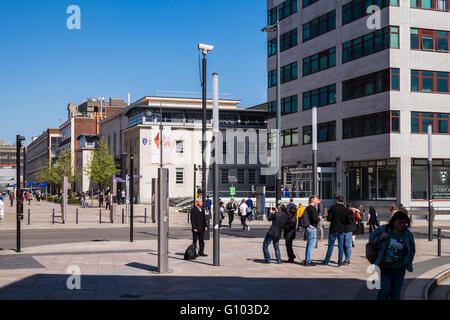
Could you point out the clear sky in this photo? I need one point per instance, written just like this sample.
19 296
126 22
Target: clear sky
136 46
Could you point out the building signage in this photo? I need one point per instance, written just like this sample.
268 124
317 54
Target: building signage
441 185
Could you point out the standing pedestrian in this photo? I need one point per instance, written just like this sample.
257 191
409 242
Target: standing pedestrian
221 213
289 231
253 191
243 214
11 198
208 206
294 191
356 222
231 209
338 217
108 201
321 225
198 222
123 196
311 228
373 220
362 213
300 211
287 193
279 218
396 250
29 198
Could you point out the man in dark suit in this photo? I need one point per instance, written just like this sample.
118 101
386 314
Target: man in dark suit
289 230
198 221
279 219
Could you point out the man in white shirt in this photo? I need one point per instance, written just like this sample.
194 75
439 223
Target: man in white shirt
243 213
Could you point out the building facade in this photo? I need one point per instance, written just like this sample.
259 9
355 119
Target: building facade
41 152
138 129
378 80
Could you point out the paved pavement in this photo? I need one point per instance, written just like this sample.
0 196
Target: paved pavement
118 269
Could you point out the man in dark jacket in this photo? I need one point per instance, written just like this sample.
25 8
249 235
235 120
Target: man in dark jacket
289 230
199 227
348 235
231 209
311 228
279 219
339 216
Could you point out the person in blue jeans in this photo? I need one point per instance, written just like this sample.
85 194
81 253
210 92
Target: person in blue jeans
396 249
339 216
311 228
348 236
279 218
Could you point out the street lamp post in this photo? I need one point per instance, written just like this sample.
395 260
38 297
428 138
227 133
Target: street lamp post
430 183
270 29
314 148
205 50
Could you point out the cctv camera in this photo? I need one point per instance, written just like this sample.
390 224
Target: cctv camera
205 47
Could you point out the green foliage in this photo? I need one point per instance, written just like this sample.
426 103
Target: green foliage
101 167
63 167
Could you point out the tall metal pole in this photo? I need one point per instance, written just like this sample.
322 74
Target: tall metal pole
204 142
216 233
19 210
131 193
430 183
160 137
278 127
314 148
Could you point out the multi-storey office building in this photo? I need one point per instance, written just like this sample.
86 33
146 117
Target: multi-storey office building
377 84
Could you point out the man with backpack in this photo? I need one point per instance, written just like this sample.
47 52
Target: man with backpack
198 221
231 209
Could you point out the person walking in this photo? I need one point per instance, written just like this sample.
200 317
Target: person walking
396 249
11 198
249 203
311 228
243 214
198 222
348 235
338 217
289 231
279 218
29 198
108 201
373 220
231 209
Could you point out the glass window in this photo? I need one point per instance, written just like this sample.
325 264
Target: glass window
427 84
394 37
179 146
427 4
442 85
307 135
442 41
414 39
179 175
427 43
387 182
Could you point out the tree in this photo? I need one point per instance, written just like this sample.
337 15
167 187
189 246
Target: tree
101 168
63 168
46 174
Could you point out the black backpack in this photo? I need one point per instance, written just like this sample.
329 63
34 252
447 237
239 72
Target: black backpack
372 252
191 252
304 220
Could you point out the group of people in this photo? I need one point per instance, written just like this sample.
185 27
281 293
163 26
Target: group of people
394 242
245 212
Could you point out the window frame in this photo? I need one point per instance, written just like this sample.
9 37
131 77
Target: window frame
420 77
421 117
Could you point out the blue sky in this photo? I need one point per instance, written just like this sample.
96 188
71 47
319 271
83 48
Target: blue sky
136 46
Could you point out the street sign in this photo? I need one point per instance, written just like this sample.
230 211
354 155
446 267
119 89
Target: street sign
232 191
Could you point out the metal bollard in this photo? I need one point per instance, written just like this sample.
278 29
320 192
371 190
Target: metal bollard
123 215
77 216
439 241
28 216
53 216
100 216
145 216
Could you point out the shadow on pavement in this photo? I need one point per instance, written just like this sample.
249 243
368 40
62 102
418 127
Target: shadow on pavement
160 287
